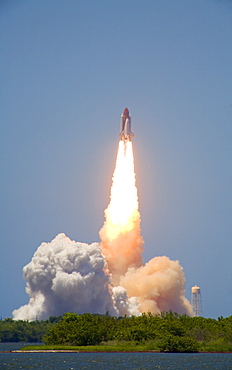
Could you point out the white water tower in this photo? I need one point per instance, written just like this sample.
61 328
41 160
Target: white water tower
196 301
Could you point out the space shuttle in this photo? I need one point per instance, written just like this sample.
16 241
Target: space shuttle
125 132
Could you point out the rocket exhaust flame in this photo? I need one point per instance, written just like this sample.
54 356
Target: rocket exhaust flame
123 207
122 243
65 275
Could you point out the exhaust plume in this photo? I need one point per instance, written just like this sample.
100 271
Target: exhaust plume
159 285
122 243
68 276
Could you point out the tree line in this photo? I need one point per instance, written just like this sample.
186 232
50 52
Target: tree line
25 331
167 331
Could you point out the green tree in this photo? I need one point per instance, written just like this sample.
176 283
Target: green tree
173 343
77 330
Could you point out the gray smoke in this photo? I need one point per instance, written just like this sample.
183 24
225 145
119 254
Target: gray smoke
67 276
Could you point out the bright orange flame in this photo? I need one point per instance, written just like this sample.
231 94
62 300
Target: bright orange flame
122 244
123 208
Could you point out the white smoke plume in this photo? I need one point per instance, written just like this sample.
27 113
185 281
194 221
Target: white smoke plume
66 276
124 305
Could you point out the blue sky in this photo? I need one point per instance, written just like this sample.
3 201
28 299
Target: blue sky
67 71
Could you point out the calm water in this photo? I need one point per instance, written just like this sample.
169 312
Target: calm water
108 361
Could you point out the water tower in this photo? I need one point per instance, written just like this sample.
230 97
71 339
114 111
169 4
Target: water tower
196 300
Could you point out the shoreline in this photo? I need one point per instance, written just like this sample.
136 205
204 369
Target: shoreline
76 351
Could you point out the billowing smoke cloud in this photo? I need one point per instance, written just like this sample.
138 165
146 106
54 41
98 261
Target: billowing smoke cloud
124 305
67 276
158 286
124 251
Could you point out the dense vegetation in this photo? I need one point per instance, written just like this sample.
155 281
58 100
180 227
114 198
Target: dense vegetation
25 331
168 332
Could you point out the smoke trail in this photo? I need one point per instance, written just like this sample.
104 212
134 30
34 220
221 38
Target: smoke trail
122 243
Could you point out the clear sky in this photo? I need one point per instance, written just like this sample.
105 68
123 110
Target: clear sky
67 70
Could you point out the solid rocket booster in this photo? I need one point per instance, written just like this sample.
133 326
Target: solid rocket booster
125 132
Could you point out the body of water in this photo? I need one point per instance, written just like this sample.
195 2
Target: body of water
112 361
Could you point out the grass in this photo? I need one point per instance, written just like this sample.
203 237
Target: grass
215 346
106 347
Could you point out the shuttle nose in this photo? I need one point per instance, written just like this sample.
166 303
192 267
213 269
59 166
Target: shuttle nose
126 112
